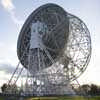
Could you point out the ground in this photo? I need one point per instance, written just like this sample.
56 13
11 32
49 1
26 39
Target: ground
66 98
56 98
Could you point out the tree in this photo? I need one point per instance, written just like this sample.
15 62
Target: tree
12 88
4 87
88 90
84 89
94 89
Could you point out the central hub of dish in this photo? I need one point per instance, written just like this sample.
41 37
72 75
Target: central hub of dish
37 32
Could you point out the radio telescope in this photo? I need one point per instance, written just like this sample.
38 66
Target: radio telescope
55 48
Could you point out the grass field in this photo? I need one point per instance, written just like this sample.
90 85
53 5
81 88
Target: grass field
65 98
55 98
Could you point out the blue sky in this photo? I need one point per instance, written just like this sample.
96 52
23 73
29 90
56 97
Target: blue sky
13 14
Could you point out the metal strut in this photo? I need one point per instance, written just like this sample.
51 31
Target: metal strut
19 75
14 73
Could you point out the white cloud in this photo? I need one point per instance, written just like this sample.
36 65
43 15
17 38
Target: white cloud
8 53
15 19
1 44
10 8
7 68
7 4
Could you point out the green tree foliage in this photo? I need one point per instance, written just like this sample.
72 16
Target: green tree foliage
12 88
95 90
86 89
4 87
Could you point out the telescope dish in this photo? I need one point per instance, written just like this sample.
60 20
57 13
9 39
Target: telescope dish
54 42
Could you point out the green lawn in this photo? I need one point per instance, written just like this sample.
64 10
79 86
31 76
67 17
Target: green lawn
58 98
65 98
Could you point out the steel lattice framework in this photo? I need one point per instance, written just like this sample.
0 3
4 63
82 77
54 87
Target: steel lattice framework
57 53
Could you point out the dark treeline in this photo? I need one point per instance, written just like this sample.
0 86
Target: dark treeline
93 90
